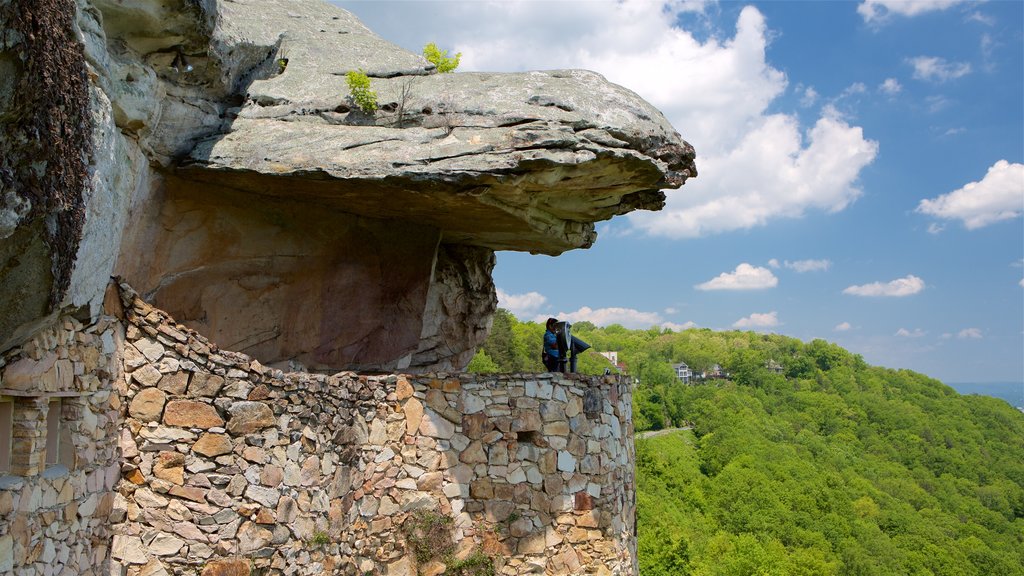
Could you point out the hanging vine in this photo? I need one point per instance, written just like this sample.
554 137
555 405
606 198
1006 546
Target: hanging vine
47 146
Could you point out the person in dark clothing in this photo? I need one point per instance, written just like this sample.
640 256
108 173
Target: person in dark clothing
549 354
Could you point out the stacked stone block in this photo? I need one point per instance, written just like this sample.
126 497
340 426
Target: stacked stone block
55 517
230 467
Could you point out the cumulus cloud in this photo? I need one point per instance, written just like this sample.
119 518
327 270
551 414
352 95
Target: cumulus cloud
878 11
809 265
745 277
627 317
969 334
770 174
678 327
842 327
755 320
809 97
935 69
891 86
915 333
521 305
755 166
998 196
774 263
900 287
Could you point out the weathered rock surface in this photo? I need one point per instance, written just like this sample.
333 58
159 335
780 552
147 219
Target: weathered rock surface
230 179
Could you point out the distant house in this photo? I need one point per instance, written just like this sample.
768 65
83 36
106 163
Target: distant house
683 372
774 366
717 372
613 357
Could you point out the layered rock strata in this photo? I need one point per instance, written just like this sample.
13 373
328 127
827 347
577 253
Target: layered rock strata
209 152
307 474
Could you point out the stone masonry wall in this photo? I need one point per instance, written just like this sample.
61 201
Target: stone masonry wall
233 468
59 449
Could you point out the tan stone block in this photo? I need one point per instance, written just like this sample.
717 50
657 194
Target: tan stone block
588 519
25 374
189 493
437 400
174 383
556 429
532 544
212 445
248 417
482 489
271 475
474 453
403 389
254 454
429 482
147 405
135 476
413 415
205 384
227 567
527 420
191 414
170 466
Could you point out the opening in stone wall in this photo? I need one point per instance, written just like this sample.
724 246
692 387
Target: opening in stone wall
6 430
53 426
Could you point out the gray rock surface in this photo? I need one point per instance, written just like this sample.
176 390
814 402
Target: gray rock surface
233 182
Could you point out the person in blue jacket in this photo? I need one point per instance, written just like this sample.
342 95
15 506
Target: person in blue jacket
550 352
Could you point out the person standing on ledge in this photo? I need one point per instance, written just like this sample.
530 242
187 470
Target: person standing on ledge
549 355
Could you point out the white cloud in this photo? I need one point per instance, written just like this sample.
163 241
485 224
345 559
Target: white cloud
768 175
878 11
809 265
774 263
981 18
935 69
937 103
1022 282
935 228
809 97
842 327
999 196
915 333
745 277
678 327
891 86
899 287
969 334
671 310
521 305
755 320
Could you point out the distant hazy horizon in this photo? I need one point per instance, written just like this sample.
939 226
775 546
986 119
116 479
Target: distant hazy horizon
1012 392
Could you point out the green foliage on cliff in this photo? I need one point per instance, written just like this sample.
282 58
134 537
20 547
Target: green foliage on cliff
440 59
359 88
832 467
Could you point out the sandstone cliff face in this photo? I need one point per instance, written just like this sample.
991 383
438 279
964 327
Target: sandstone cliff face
254 202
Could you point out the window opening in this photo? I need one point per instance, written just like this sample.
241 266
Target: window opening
6 434
53 430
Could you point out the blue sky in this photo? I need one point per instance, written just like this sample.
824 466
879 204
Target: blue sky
861 175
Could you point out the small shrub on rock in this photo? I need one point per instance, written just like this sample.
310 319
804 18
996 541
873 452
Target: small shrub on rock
359 89
440 59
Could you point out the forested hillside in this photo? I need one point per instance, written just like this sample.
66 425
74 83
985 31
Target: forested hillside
829 467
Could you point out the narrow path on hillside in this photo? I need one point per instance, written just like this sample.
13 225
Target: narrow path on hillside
662 432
